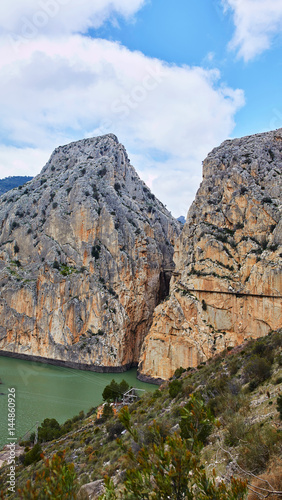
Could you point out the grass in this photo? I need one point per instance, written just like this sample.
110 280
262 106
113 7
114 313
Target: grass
248 430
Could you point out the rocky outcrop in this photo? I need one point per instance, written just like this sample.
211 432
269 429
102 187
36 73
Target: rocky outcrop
83 249
227 282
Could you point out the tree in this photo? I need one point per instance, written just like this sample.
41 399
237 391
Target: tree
115 391
50 429
123 387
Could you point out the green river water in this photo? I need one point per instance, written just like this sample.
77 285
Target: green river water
46 391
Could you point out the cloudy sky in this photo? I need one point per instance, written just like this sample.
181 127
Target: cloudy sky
171 79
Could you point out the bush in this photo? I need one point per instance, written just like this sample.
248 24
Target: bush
114 430
259 445
235 431
279 405
50 429
33 455
178 372
57 480
108 412
196 422
175 388
257 370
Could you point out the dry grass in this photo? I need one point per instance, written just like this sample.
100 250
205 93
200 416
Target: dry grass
271 480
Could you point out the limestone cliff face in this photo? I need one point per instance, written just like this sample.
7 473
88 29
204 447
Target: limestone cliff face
83 247
227 282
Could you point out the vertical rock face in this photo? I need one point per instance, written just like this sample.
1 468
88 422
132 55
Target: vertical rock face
83 248
227 282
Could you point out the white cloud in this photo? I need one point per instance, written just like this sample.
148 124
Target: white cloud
21 161
55 90
256 23
30 18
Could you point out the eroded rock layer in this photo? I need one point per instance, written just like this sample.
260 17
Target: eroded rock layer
83 247
227 282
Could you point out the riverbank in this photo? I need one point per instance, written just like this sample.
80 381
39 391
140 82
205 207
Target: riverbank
69 364
44 390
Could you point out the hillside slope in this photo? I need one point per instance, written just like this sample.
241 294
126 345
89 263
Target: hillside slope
239 387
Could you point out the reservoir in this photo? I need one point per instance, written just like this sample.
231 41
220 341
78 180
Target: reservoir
47 391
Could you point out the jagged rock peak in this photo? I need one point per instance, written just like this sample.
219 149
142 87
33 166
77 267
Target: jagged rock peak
83 251
227 285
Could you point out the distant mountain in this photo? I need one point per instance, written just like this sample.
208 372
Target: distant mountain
181 219
12 182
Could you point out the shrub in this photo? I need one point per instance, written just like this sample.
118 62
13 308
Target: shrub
279 405
257 370
50 429
15 225
114 429
175 388
259 445
33 455
56 480
196 422
102 172
236 430
178 372
108 412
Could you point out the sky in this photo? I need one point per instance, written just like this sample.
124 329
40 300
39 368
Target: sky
171 79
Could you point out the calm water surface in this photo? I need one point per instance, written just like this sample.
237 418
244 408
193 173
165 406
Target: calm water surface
46 391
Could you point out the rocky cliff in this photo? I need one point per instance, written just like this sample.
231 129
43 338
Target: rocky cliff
227 282
83 249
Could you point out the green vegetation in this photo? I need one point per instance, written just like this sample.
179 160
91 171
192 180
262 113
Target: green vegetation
32 456
168 443
56 480
115 391
64 269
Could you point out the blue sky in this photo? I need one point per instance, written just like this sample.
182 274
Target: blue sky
171 79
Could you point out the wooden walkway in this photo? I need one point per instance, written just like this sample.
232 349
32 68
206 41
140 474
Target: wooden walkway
237 294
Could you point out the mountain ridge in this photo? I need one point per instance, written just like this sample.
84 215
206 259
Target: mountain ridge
83 250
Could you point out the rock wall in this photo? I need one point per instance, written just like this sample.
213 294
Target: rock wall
83 248
227 282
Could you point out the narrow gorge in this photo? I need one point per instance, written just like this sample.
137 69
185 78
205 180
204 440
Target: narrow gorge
95 273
